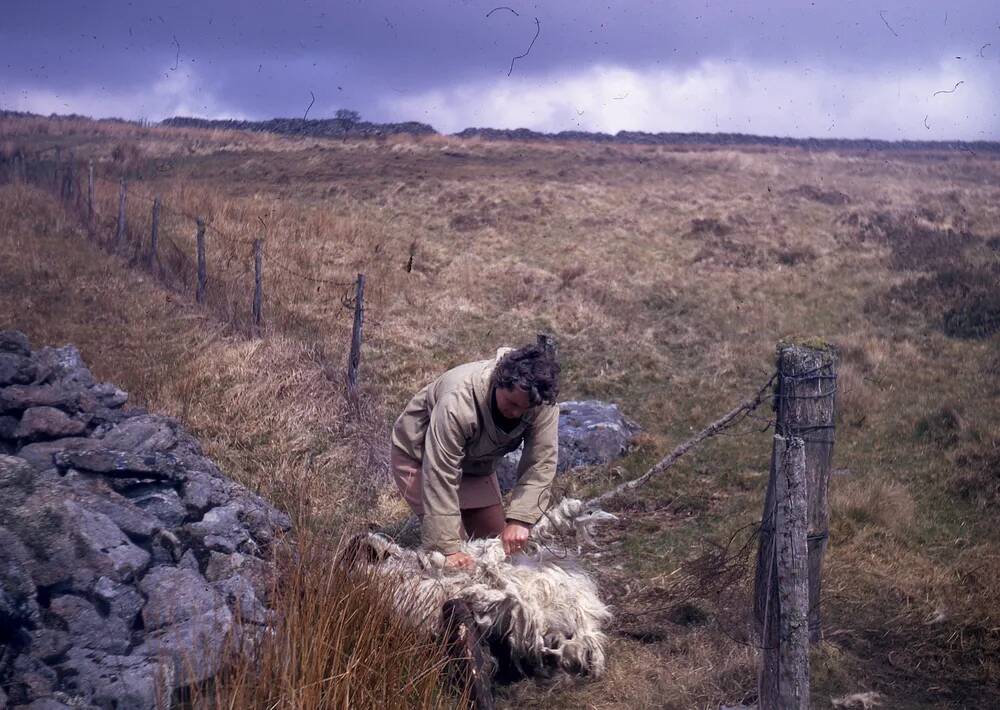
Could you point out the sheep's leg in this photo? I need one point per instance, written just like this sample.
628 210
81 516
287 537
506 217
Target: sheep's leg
468 662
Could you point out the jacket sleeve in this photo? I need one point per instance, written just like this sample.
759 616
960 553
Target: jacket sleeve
537 469
444 448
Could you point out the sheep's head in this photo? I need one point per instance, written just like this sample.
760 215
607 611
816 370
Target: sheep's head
585 525
571 515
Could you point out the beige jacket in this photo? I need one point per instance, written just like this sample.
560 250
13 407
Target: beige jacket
448 426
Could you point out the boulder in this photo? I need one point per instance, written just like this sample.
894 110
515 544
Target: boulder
62 365
89 629
220 529
590 433
40 454
47 423
17 398
15 369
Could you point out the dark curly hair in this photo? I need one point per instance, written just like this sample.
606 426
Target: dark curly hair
534 369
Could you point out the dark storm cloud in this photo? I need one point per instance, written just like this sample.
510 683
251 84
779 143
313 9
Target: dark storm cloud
260 59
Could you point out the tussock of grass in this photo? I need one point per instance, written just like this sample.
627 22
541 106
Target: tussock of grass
337 641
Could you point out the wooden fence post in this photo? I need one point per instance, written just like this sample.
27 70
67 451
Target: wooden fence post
202 274
783 683
55 170
354 360
67 181
154 234
258 282
467 661
805 402
120 231
90 194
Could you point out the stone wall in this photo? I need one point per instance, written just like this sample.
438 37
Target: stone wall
127 559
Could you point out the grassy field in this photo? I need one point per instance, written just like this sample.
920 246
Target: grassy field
667 275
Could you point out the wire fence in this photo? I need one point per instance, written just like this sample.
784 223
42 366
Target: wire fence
186 252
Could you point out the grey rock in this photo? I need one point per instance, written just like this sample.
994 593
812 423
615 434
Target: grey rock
47 704
175 595
161 502
7 426
255 570
121 601
122 463
135 681
590 433
16 369
142 434
18 600
103 544
50 645
47 423
241 597
40 454
263 521
32 679
17 398
95 494
220 529
62 364
88 628
109 395
189 561
14 341
167 548
197 647
16 479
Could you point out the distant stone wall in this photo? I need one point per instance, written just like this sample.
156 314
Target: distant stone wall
319 127
126 557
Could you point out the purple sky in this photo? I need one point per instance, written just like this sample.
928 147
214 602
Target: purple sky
826 69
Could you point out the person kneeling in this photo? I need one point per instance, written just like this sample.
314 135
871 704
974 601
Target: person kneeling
449 438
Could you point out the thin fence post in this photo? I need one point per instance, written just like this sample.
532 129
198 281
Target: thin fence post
154 235
354 359
120 231
90 194
67 181
55 170
202 272
258 283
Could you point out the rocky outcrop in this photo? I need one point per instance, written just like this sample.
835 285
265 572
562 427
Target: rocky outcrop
590 433
128 561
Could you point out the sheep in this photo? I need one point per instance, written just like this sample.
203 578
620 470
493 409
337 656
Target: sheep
540 612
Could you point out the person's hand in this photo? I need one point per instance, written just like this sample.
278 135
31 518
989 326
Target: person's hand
514 537
459 560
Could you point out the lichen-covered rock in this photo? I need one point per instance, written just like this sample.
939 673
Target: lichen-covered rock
47 423
125 554
590 433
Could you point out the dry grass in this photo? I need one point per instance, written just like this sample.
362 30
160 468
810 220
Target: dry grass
666 273
338 642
